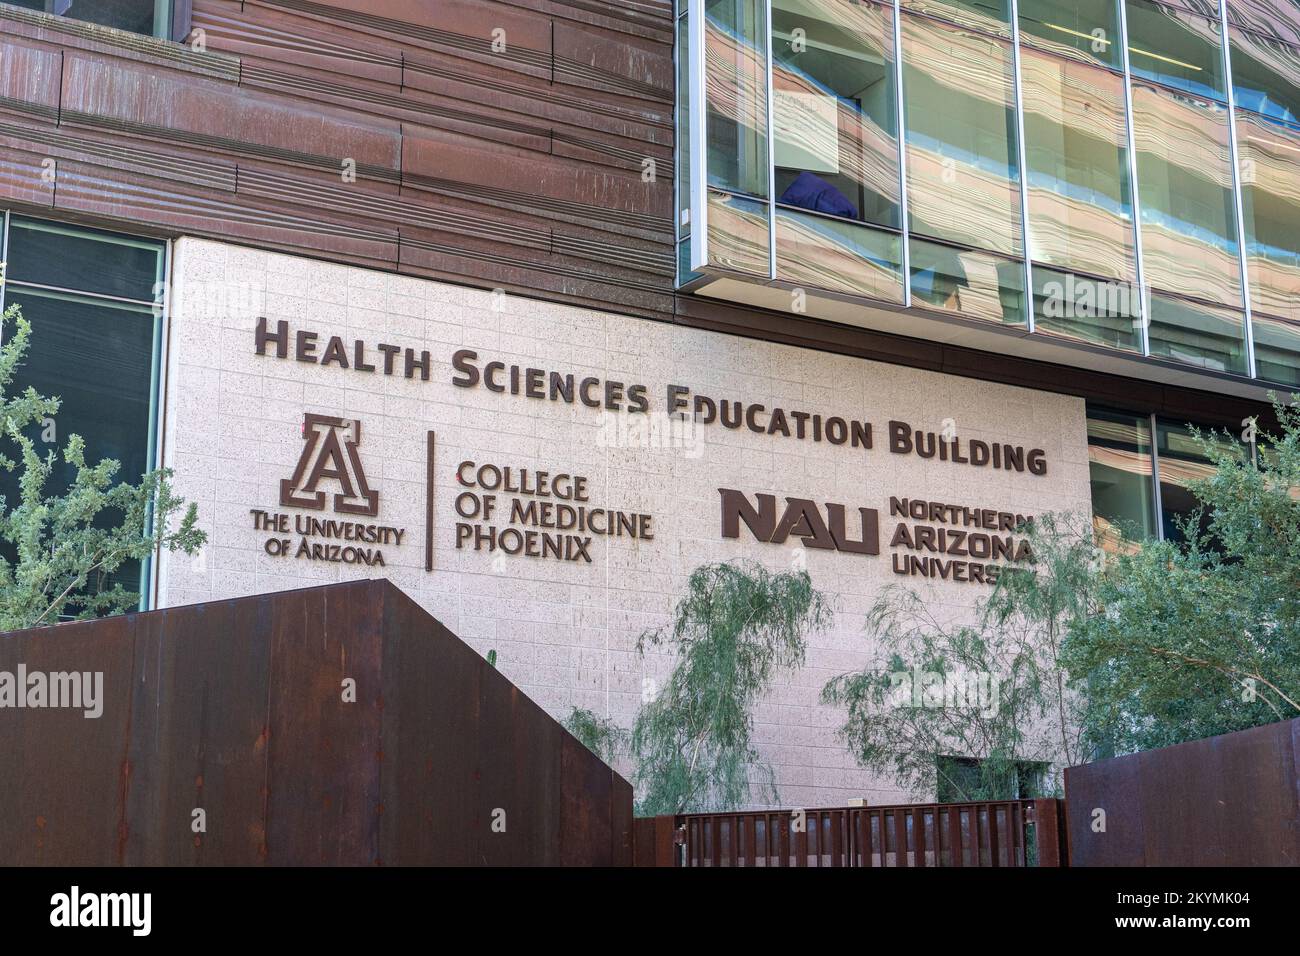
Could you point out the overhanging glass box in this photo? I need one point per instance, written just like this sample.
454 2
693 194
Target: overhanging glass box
1107 174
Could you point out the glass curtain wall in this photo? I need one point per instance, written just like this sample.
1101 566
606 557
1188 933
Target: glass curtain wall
1264 38
93 301
1107 171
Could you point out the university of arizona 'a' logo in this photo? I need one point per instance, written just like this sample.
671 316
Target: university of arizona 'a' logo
330 452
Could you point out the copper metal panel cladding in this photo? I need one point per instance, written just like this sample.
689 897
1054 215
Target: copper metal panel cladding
241 709
287 128
1232 800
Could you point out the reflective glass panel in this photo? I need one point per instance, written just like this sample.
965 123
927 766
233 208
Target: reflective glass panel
1085 30
968 282
1119 464
1176 48
963 174
1189 229
988 16
828 253
1270 201
1209 336
52 254
1266 76
97 358
1278 19
1076 146
149 17
834 105
739 237
736 92
1182 460
1277 349
682 168
1088 309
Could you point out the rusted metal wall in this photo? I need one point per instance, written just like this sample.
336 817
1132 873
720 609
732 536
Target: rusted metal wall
1232 800
236 708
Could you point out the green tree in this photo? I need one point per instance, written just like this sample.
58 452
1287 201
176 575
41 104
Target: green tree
990 688
1202 637
601 735
60 548
737 626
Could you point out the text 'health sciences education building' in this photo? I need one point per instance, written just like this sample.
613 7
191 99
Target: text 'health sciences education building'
533 308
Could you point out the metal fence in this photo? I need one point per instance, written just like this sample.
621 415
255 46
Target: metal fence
993 834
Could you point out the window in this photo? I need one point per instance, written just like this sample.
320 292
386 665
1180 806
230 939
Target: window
1176 48
963 780
1103 171
1086 30
1081 232
1180 461
1121 467
835 147
1141 490
91 298
150 17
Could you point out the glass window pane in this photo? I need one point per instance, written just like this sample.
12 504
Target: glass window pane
827 253
1076 146
968 282
97 358
1277 349
1119 461
1182 461
1270 198
1266 76
736 91
1278 19
836 146
1209 336
988 16
1078 29
739 237
1189 226
49 253
1176 48
149 17
1100 311
682 167
962 169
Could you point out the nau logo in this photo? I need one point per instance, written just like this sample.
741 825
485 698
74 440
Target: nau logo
330 452
800 518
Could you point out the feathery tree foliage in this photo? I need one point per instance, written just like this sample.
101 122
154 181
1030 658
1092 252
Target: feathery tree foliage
601 735
991 689
737 626
1202 637
58 550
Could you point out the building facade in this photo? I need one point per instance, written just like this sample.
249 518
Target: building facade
533 307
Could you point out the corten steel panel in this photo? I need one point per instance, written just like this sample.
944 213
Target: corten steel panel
237 708
82 818
581 830
217 685
1226 801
